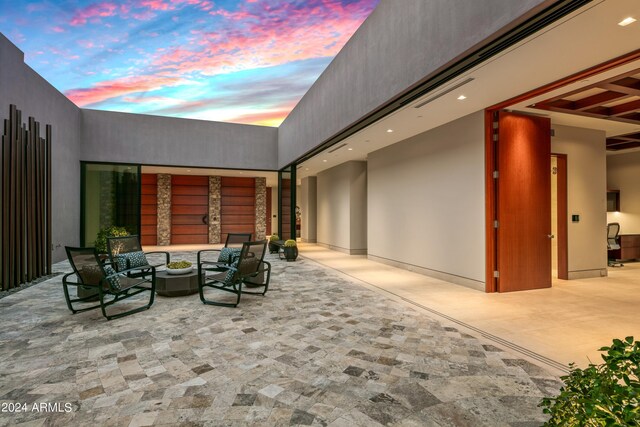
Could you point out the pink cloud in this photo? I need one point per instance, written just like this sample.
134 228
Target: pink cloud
156 5
109 89
58 29
263 41
92 12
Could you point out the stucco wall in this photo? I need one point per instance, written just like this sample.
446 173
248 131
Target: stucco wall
426 203
398 45
623 173
154 140
341 207
587 190
35 97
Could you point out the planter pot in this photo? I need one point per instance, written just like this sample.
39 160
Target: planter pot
291 253
179 270
273 248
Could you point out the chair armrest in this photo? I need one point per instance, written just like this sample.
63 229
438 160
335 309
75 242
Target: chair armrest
105 279
166 254
206 250
65 280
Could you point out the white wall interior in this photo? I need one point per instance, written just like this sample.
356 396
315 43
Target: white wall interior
426 203
554 216
341 208
623 173
586 193
309 207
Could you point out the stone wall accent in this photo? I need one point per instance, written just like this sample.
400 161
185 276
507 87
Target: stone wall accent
214 209
261 208
164 209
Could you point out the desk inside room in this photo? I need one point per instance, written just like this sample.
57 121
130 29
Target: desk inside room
629 248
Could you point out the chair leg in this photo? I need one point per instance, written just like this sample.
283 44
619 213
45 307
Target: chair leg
147 306
220 304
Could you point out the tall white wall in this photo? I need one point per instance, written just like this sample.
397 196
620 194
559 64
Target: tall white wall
587 190
623 173
426 202
309 206
341 208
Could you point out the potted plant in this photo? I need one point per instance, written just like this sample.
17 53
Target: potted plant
104 233
600 395
290 250
179 267
273 248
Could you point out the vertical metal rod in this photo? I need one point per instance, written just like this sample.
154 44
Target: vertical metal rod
48 241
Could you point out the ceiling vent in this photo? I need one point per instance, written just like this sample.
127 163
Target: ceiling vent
337 148
441 94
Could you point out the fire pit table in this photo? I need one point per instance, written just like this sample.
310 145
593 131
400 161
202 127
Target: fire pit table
176 285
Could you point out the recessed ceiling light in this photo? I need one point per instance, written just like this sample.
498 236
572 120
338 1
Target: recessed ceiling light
325 160
306 169
462 98
188 170
389 130
626 21
350 149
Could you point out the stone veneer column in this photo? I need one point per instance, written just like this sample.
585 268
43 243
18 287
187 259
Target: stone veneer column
164 210
261 208
214 209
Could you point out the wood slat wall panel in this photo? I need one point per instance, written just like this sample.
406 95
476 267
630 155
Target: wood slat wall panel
187 219
149 188
189 200
230 181
25 252
148 199
188 210
236 210
189 205
189 190
238 191
149 179
237 201
148 240
148 230
187 239
188 229
237 219
149 210
149 220
189 180
237 205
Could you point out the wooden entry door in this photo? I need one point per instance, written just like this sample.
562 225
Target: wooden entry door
189 209
237 206
523 202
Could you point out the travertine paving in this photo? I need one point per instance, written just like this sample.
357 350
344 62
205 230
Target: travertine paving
316 350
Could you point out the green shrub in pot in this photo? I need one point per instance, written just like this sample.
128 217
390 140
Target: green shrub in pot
290 250
104 233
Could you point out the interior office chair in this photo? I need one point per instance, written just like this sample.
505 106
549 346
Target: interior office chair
613 229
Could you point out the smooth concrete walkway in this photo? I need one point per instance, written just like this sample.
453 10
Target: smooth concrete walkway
567 323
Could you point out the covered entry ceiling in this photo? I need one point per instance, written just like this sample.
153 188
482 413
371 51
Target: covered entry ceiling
577 42
616 98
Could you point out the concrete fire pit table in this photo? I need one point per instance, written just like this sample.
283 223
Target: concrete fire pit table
176 285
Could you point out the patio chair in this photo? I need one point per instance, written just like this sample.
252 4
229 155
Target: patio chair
231 248
126 253
111 286
247 268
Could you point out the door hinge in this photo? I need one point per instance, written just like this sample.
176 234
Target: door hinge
496 274
496 174
496 224
495 137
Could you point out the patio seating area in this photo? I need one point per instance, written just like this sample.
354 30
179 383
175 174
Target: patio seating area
317 349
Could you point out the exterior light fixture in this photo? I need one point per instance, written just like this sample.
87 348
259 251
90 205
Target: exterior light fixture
462 98
627 21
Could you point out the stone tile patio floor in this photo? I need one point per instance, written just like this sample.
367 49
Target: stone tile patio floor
318 349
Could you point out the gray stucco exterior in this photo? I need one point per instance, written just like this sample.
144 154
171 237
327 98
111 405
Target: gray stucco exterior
155 140
35 97
400 44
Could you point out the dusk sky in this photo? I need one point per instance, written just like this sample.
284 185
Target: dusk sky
246 61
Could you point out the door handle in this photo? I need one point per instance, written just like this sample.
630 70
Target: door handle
205 219
551 236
